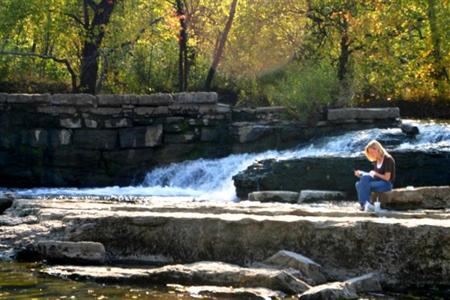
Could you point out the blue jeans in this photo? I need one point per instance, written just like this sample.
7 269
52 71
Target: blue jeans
368 184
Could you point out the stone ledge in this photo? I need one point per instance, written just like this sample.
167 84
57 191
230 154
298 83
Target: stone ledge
73 100
195 98
72 252
25 98
344 114
274 196
429 197
242 233
212 273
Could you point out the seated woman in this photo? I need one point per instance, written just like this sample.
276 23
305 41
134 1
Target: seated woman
381 178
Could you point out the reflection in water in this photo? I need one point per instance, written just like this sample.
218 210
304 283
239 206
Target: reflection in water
23 281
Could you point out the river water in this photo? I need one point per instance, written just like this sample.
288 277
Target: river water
209 179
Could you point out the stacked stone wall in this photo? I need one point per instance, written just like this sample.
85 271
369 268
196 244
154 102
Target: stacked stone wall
86 140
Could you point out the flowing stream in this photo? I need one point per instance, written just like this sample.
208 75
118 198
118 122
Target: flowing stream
211 179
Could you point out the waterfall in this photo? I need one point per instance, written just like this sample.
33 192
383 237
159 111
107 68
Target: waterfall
211 179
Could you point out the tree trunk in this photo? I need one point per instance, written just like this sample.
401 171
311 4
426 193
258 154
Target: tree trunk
182 42
221 46
345 89
439 72
95 34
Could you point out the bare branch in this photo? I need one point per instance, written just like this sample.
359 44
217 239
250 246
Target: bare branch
51 57
75 18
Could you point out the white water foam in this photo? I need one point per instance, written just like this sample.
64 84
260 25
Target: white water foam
211 179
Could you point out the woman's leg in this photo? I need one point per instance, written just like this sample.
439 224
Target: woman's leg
363 187
380 186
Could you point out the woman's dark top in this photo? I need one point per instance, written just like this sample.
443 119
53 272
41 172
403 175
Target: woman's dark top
388 166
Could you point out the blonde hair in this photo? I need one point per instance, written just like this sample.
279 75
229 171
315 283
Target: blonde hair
374 144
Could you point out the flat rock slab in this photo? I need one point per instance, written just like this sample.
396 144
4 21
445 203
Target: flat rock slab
430 197
72 252
345 114
209 273
348 289
185 231
274 196
316 195
330 291
310 271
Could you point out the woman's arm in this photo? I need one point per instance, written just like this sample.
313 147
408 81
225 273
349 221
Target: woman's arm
386 176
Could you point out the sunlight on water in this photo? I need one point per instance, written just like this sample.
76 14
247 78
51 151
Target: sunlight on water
211 179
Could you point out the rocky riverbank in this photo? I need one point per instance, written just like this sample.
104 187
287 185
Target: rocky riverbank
414 168
406 249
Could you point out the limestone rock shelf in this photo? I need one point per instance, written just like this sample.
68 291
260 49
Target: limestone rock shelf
408 249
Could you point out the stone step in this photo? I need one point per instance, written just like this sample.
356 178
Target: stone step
342 240
430 197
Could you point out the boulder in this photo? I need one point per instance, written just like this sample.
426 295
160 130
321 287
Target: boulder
72 252
199 273
409 129
6 201
365 283
274 196
315 195
311 272
417 168
430 197
329 291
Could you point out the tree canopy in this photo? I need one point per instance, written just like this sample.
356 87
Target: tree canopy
300 53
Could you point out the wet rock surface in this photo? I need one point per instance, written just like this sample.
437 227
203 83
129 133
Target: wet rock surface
407 249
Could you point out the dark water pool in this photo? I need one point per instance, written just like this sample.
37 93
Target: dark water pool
24 281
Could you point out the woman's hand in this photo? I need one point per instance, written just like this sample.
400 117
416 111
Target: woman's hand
357 173
373 174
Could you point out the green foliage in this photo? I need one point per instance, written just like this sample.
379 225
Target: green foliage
285 52
303 89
